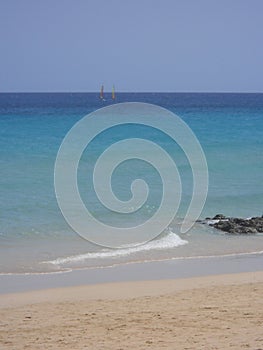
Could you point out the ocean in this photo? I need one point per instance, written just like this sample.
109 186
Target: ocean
36 238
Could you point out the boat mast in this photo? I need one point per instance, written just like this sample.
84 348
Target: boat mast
113 93
102 92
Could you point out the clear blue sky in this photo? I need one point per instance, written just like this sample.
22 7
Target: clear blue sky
138 45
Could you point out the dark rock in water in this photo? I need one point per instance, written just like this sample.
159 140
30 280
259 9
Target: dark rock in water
238 225
223 225
219 217
257 223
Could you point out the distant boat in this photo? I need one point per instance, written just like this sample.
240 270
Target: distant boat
113 93
102 93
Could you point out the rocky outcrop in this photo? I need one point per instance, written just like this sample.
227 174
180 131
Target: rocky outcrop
237 225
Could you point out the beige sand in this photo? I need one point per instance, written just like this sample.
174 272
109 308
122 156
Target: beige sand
214 312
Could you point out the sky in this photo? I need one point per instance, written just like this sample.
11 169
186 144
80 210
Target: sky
137 45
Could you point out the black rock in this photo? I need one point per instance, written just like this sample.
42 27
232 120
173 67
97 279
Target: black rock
238 225
219 217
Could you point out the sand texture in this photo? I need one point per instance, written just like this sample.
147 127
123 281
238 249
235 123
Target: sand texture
214 312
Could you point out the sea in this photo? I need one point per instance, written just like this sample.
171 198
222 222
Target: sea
36 238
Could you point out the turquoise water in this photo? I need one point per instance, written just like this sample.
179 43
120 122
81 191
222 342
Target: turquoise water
34 236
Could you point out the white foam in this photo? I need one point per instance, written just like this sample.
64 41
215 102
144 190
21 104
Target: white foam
170 240
215 221
212 222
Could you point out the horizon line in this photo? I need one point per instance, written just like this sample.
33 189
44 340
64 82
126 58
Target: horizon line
130 92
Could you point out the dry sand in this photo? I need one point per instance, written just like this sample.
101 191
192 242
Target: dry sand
213 312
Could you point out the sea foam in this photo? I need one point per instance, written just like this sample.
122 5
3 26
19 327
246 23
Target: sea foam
169 240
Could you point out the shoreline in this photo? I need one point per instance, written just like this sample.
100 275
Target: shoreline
138 271
127 289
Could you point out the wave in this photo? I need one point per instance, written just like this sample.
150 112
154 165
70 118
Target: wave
169 240
194 257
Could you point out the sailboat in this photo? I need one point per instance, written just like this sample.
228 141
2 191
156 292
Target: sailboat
113 96
102 93
113 93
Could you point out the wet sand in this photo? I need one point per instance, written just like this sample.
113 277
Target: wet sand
153 270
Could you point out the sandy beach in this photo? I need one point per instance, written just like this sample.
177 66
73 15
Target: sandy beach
211 312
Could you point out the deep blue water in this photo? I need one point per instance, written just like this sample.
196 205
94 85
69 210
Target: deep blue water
229 128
